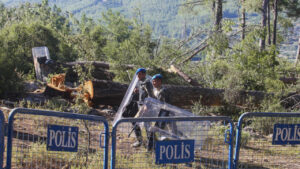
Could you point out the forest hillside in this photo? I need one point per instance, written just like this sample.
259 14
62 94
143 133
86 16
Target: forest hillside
167 18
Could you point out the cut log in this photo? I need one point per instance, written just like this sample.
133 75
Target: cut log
182 96
57 87
103 92
52 91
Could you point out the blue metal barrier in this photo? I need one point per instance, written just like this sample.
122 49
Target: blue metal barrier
210 149
1 138
47 139
256 149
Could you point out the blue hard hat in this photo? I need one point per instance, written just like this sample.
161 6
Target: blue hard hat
157 76
143 70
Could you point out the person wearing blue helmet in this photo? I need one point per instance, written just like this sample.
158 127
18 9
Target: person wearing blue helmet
160 93
145 87
143 90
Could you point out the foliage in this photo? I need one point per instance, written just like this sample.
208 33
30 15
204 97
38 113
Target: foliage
227 62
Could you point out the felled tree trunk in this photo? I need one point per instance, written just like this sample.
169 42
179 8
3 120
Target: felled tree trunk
186 96
55 92
104 92
111 93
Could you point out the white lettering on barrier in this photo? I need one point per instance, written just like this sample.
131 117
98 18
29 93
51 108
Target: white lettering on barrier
162 151
61 138
175 153
52 136
182 149
278 132
169 155
282 135
73 139
171 152
286 134
295 133
58 142
187 151
69 139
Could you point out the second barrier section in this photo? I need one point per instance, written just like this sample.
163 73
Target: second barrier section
268 140
48 139
182 142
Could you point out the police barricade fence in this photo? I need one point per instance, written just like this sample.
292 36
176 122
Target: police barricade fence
199 142
49 139
268 140
1 138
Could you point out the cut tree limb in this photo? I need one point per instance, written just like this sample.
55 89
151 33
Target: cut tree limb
176 70
195 53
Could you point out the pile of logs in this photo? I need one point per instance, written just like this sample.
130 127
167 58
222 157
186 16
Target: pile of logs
103 91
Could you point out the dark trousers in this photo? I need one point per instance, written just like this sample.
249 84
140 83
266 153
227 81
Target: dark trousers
137 131
159 124
131 111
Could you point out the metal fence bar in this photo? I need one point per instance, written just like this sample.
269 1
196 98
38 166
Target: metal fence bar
49 114
252 115
1 138
173 119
